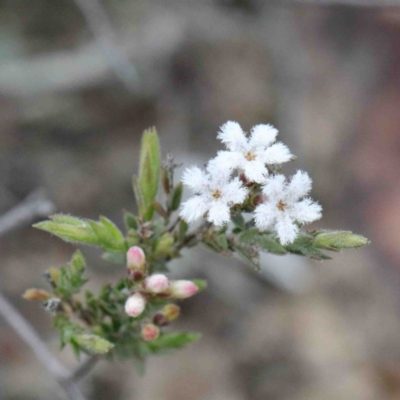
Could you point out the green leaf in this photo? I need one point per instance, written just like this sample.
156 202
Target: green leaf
112 229
249 236
67 219
74 233
182 230
336 240
270 245
108 235
164 245
200 283
238 220
146 185
130 221
304 245
93 344
173 341
177 196
67 329
71 279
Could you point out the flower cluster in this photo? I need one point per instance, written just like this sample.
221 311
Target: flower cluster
153 286
281 206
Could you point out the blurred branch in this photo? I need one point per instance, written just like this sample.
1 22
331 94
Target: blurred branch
364 3
37 204
102 29
26 332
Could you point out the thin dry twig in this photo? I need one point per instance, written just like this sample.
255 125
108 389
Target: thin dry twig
356 3
26 332
38 205
35 205
103 31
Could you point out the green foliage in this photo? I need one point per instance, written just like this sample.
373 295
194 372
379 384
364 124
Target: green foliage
103 233
71 279
97 323
146 184
70 229
336 240
172 341
176 197
200 283
93 344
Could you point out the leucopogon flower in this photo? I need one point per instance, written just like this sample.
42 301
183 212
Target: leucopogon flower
252 154
285 205
215 193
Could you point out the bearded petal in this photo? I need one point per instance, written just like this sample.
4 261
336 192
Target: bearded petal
265 215
193 209
194 178
274 187
306 211
278 153
219 213
299 186
232 135
255 171
286 229
262 135
234 192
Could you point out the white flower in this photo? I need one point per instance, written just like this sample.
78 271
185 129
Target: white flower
251 154
285 205
215 192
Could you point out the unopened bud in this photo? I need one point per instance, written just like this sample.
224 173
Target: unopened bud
36 295
150 332
182 289
171 312
339 240
135 305
135 275
136 259
156 283
159 319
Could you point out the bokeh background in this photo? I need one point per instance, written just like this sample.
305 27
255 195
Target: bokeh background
76 91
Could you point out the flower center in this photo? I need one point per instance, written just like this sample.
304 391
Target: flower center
216 194
281 205
250 156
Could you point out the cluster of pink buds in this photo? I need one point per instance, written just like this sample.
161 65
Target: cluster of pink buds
155 285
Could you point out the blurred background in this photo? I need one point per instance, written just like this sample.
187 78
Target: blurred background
79 82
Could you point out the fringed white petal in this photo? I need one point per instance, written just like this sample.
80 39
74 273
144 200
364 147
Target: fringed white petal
306 211
299 186
234 192
232 135
219 213
278 153
274 187
195 178
193 209
265 216
262 135
220 167
255 171
286 229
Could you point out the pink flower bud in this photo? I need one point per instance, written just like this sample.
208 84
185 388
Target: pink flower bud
150 332
135 305
136 259
171 312
182 289
156 283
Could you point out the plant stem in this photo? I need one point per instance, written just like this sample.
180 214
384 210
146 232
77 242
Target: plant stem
27 333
